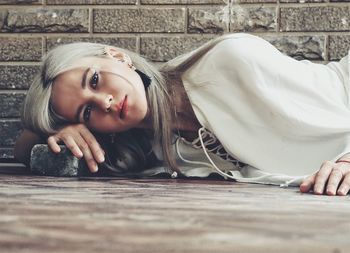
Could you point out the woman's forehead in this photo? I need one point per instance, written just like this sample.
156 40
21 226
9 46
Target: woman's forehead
86 62
70 75
76 68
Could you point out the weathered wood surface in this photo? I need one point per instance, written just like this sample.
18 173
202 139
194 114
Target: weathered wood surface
46 214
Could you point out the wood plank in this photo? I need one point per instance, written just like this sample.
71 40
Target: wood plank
46 214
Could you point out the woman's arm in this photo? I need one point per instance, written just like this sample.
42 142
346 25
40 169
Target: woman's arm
345 157
333 178
81 142
24 145
77 137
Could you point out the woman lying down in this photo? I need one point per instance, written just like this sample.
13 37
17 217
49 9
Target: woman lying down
235 106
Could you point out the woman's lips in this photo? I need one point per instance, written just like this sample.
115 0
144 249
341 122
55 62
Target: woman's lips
124 108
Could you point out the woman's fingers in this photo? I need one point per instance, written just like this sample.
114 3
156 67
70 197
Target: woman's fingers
68 139
80 148
345 185
333 181
52 141
89 158
73 146
334 177
307 183
94 146
322 177
80 142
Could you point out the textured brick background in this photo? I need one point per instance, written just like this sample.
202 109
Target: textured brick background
318 30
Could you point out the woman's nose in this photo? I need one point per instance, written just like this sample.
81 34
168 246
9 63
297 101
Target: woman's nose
104 102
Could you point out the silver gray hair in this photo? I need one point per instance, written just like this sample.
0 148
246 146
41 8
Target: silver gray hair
38 115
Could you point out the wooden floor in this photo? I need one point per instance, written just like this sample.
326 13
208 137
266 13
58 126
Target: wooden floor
43 214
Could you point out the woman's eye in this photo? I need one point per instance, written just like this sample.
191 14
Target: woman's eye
87 113
94 80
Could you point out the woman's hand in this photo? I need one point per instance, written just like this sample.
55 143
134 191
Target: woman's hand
81 142
331 179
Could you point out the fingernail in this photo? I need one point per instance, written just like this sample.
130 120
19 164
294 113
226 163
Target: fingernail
101 158
330 192
341 192
318 191
94 168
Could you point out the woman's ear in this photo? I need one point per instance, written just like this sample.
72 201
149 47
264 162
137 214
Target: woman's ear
123 57
118 55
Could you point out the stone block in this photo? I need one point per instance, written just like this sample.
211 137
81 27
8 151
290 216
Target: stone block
317 18
162 20
168 47
17 76
208 20
253 19
6 153
46 163
300 47
15 2
193 2
20 49
46 20
70 2
232 18
303 1
339 46
10 129
253 1
181 2
11 103
122 42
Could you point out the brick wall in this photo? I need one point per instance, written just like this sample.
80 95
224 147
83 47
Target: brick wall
318 30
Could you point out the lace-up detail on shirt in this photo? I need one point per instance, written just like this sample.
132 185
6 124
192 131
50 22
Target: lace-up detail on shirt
208 142
213 145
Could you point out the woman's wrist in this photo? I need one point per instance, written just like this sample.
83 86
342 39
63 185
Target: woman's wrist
344 159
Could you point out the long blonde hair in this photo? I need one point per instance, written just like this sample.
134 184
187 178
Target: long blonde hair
38 115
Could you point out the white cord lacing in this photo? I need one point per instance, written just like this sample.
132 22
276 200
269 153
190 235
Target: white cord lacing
222 173
216 149
287 183
220 151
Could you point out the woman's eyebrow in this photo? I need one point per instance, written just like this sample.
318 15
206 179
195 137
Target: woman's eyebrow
83 79
83 85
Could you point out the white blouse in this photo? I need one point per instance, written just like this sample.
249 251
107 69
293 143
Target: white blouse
280 116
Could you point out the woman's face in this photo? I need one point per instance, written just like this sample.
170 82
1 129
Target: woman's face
103 93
